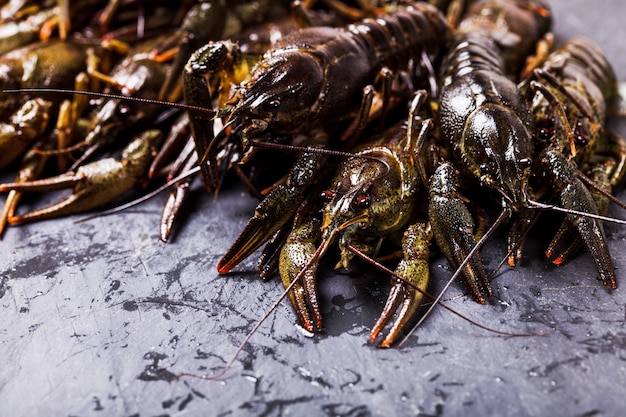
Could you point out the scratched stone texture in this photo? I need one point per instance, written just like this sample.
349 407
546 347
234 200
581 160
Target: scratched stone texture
98 317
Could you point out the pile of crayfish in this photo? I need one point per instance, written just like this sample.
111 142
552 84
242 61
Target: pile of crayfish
385 121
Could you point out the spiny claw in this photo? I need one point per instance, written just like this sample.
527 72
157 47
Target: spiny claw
172 208
94 184
404 299
207 62
567 241
275 210
574 195
605 171
177 197
453 228
295 263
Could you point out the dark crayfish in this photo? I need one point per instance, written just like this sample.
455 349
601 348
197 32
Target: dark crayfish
313 78
571 94
229 62
484 120
490 128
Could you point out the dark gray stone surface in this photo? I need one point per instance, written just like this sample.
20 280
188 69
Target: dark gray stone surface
97 317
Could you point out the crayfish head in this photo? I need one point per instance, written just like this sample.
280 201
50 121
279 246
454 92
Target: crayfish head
347 208
111 117
344 211
498 145
280 95
363 203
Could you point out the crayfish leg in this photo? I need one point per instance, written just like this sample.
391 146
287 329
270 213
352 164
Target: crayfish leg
31 167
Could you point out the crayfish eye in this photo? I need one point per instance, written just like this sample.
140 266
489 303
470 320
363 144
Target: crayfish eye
487 168
545 129
525 162
362 201
274 104
545 133
327 195
123 109
582 132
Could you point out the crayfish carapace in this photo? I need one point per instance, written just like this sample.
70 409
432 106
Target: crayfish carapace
311 79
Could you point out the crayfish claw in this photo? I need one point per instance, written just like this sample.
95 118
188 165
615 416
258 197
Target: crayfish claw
407 293
94 184
568 239
203 22
172 207
22 129
453 228
575 196
31 167
273 212
298 263
181 191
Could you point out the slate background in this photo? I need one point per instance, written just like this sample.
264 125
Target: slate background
97 317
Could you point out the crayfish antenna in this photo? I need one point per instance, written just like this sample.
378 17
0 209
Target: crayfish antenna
591 183
543 206
181 106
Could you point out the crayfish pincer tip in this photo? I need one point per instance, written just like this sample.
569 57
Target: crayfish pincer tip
222 269
386 344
